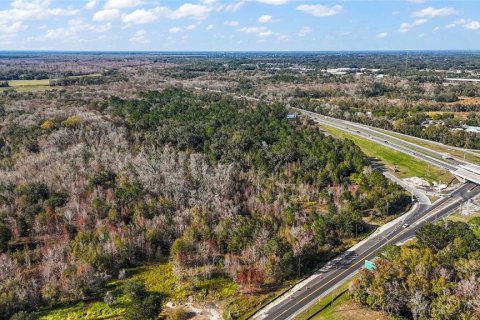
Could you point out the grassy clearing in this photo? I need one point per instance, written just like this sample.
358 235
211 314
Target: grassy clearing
458 115
38 85
465 101
91 75
407 165
27 83
159 278
343 308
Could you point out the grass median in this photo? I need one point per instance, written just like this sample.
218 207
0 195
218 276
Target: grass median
407 166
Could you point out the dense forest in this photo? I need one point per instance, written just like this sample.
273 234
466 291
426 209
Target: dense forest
436 277
172 162
212 183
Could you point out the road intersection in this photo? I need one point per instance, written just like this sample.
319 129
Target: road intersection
344 267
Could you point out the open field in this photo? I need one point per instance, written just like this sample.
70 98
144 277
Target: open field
38 85
27 85
158 278
92 75
467 101
457 115
407 165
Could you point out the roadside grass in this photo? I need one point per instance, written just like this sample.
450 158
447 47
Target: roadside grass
326 303
338 305
407 165
435 147
243 306
458 216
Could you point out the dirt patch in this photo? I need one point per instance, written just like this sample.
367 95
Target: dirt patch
193 311
416 181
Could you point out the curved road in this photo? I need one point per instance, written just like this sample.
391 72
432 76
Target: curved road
347 265
352 260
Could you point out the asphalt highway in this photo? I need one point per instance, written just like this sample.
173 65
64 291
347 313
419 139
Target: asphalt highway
343 268
352 261
419 152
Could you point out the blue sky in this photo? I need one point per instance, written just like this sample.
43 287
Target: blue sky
238 25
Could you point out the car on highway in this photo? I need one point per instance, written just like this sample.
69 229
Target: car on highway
405 225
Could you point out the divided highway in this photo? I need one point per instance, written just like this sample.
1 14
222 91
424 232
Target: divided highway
342 268
416 151
347 265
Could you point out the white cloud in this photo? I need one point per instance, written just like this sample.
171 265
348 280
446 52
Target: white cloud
140 37
466 23
405 27
189 10
304 31
381 35
458 22
231 23
259 31
175 30
209 27
90 4
472 25
102 28
431 12
106 15
319 10
12 28
59 33
22 10
139 16
191 27
416 1
273 2
122 4
265 18
232 7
